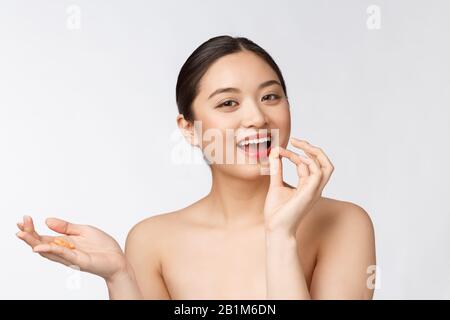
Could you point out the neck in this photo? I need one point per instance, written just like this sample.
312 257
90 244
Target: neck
237 202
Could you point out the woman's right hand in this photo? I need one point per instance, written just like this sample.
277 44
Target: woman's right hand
94 252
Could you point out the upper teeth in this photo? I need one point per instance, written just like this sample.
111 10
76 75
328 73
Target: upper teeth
247 142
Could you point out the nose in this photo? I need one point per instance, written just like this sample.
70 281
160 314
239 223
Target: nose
253 116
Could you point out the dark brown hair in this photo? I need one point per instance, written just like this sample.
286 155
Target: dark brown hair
203 57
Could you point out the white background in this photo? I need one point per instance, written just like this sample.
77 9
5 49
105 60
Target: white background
87 116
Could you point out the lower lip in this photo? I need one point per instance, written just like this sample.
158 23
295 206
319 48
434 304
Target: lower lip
256 152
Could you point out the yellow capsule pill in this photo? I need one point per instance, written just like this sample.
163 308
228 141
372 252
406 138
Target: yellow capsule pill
63 243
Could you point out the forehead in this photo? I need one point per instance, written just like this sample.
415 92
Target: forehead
244 70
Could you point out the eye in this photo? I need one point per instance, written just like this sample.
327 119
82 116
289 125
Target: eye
227 103
270 97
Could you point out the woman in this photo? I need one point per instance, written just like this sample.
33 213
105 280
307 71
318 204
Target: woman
253 236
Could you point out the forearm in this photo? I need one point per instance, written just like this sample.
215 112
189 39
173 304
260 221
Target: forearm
124 286
284 273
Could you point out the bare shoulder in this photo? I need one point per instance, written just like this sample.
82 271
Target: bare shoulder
156 229
152 228
155 223
144 248
333 222
338 215
346 250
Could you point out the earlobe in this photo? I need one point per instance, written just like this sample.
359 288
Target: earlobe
190 136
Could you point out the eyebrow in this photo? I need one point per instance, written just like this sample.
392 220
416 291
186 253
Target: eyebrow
261 86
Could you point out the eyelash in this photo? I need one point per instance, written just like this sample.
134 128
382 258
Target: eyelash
272 94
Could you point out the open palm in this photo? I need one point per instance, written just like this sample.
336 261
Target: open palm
95 251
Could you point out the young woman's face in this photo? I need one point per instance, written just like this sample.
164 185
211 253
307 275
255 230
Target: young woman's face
253 103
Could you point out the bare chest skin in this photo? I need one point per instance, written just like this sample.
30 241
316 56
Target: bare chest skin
205 263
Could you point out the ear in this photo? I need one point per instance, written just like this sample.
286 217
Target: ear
187 130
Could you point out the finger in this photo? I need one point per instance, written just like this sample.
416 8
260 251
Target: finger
54 257
276 170
47 239
20 226
325 163
302 164
312 157
313 166
28 224
63 227
303 173
60 251
29 238
298 159
294 157
309 154
322 158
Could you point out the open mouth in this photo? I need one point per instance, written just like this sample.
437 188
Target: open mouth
259 147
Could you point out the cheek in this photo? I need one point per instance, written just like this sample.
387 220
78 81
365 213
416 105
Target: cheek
213 127
281 119
218 122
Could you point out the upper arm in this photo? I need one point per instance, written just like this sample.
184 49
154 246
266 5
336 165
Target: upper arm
142 252
346 257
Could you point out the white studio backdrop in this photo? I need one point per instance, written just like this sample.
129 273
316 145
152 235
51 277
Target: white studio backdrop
87 121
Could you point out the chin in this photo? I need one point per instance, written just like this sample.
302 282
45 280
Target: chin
244 171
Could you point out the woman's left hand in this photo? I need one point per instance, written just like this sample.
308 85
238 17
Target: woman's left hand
285 206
